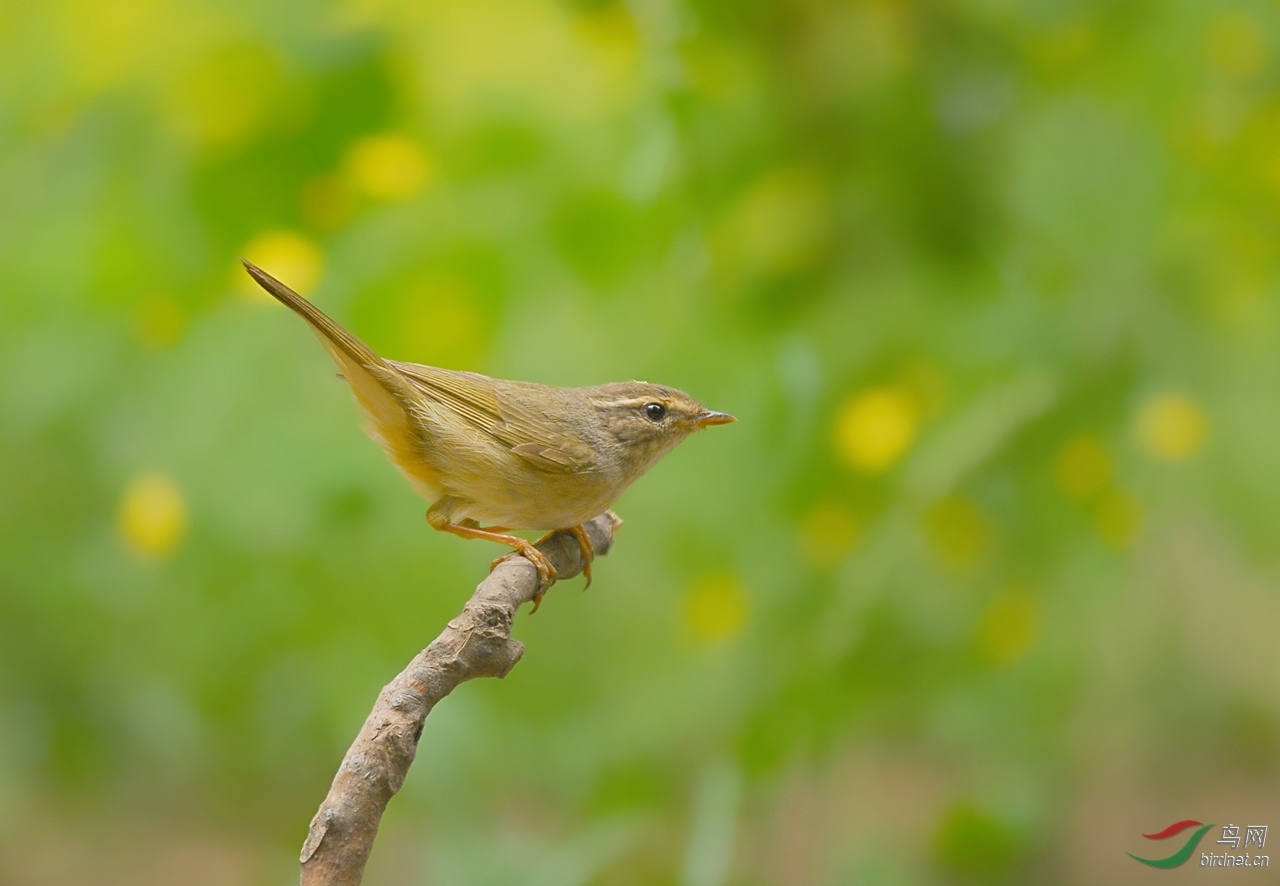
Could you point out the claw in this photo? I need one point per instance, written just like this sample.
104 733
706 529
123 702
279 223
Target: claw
546 572
584 544
588 551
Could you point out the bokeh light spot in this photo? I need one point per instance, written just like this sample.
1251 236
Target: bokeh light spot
153 515
1171 427
1008 628
827 534
715 606
959 531
288 256
1083 467
1118 519
387 166
875 427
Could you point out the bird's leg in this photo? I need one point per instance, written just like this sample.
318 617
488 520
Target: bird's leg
584 544
523 547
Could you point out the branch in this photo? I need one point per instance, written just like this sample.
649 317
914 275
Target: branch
475 644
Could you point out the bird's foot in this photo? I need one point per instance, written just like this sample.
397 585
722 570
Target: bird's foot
584 545
588 551
546 572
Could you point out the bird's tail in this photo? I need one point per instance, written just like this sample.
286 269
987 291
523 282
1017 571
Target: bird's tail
384 394
331 334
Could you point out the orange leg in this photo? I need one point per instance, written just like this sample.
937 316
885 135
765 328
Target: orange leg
523 547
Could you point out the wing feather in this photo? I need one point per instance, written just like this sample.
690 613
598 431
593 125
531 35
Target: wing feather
526 430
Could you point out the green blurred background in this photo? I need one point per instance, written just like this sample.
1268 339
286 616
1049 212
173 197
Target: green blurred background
982 585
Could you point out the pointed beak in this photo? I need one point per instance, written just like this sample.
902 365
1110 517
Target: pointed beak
707 418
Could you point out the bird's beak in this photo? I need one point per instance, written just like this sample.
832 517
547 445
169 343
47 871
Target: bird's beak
707 418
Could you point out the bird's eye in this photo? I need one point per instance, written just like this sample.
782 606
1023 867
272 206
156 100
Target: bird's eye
655 411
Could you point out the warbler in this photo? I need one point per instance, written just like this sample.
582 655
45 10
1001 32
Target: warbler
494 455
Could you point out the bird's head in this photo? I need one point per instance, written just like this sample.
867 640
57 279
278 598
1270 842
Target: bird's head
646 421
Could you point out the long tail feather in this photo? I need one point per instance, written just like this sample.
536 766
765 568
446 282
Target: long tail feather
351 346
385 395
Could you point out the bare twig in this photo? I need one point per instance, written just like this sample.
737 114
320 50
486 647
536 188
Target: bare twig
475 644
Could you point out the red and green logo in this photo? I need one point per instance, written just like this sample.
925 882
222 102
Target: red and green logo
1182 854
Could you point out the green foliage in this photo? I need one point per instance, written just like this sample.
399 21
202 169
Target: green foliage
990 285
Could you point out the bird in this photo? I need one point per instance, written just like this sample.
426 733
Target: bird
495 455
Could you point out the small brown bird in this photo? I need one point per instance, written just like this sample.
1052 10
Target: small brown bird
510 454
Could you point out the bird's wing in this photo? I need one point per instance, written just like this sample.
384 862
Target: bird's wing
525 430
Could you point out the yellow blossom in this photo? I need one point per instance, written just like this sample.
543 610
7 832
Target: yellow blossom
285 255
153 515
875 427
387 166
1171 427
